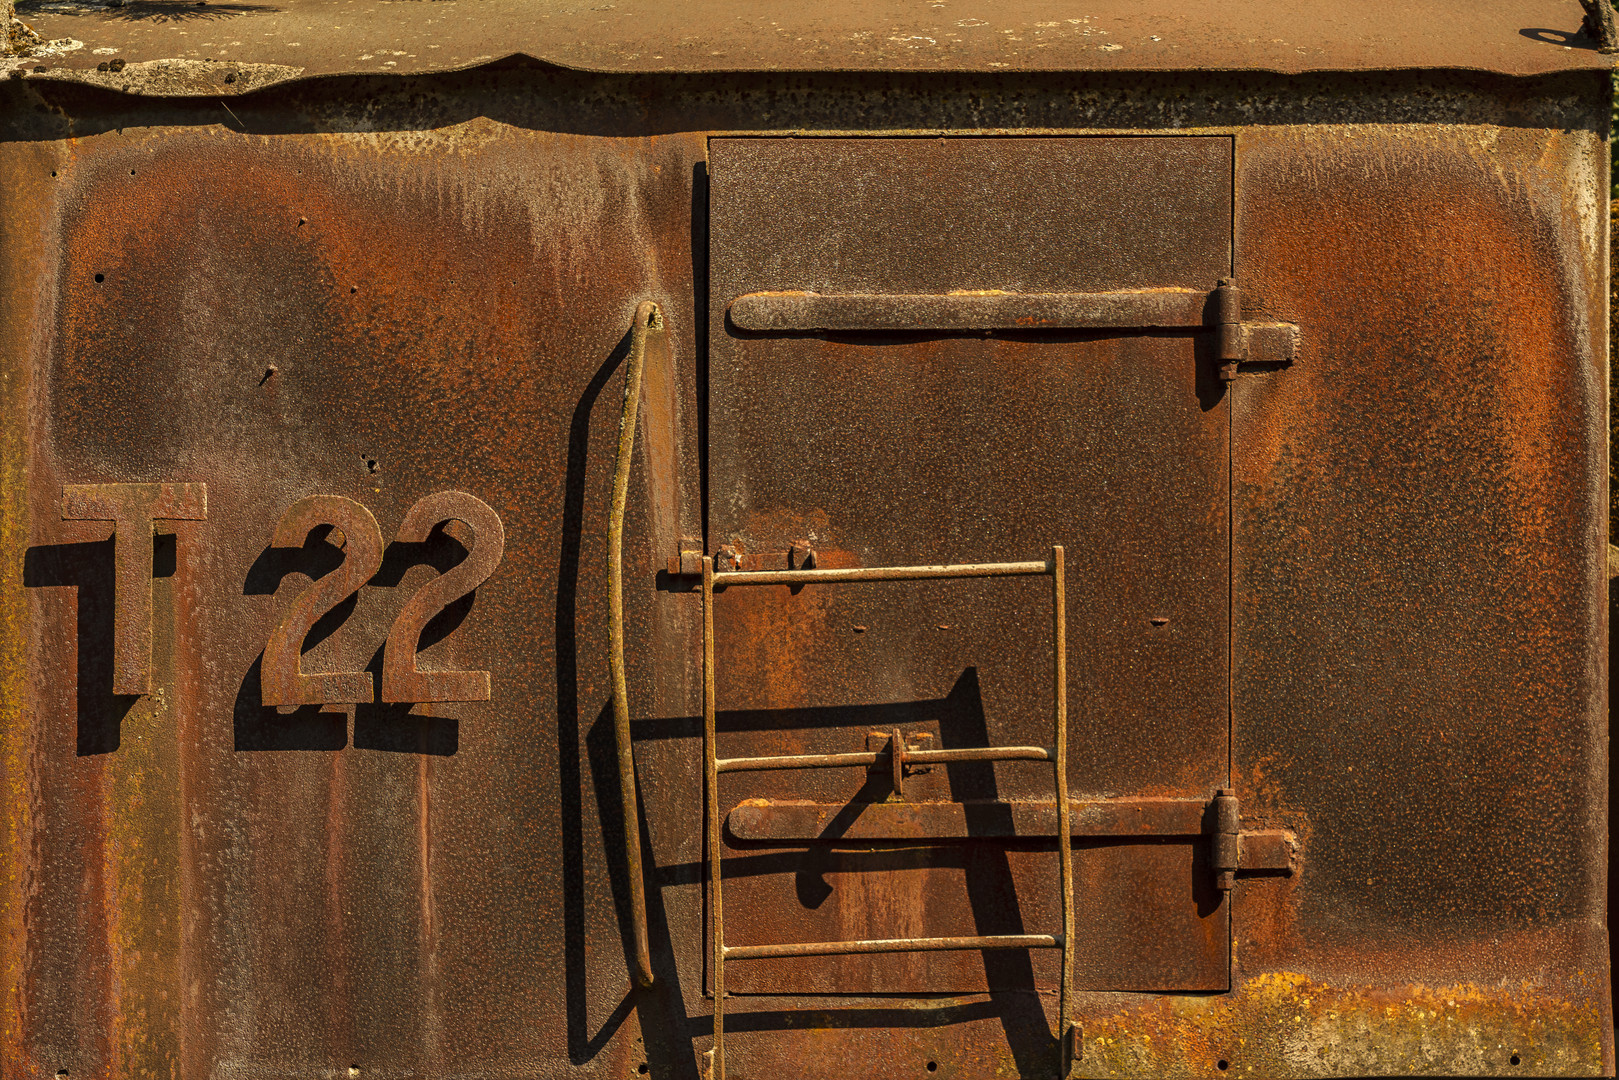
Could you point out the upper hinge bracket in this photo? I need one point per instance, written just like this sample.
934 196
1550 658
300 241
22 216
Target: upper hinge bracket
1250 342
1233 849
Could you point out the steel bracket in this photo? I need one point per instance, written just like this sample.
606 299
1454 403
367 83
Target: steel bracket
1233 851
1250 342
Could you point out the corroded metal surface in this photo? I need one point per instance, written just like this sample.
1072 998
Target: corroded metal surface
168 46
226 886
935 447
1417 547
394 293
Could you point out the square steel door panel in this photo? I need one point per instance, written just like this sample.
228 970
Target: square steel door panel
897 447
940 215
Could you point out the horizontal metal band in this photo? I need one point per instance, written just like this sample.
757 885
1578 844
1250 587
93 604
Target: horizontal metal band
879 573
1143 309
889 945
808 821
869 758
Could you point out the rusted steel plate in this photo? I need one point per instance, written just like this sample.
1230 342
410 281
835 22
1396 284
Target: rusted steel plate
1418 560
195 885
210 885
183 41
956 449
937 216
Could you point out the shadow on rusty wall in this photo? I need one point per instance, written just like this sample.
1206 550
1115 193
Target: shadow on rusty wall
991 895
88 569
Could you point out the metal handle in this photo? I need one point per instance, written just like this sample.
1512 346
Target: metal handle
648 320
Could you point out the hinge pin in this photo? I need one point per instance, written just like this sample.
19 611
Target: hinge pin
1233 347
1225 841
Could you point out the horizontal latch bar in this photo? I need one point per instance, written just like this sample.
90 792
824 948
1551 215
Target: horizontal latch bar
880 573
888 945
869 758
808 821
988 310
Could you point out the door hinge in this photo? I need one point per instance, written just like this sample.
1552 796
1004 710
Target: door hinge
1250 342
1231 850
1225 848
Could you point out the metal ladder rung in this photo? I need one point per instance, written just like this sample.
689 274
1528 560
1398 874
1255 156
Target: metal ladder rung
870 758
894 945
879 573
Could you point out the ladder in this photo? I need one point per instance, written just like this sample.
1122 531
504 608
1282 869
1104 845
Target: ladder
1056 753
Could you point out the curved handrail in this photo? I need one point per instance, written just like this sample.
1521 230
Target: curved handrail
648 320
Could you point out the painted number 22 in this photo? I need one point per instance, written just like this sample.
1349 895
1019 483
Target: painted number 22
284 681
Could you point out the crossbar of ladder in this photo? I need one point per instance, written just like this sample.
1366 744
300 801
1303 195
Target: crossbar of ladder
1057 755
726 578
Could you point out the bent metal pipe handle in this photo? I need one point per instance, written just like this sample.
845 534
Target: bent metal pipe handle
648 321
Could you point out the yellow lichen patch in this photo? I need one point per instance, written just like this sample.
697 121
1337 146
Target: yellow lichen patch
1289 1024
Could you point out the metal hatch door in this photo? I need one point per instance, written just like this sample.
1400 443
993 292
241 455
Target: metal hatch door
968 350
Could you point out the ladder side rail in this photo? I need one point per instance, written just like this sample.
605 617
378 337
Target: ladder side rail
711 779
1059 679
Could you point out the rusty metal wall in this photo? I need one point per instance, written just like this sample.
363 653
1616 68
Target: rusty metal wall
203 885
1420 662
383 291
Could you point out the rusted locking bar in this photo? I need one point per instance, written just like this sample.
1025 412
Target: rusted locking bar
869 758
892 945
986 310
993 309
898 754
648 321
